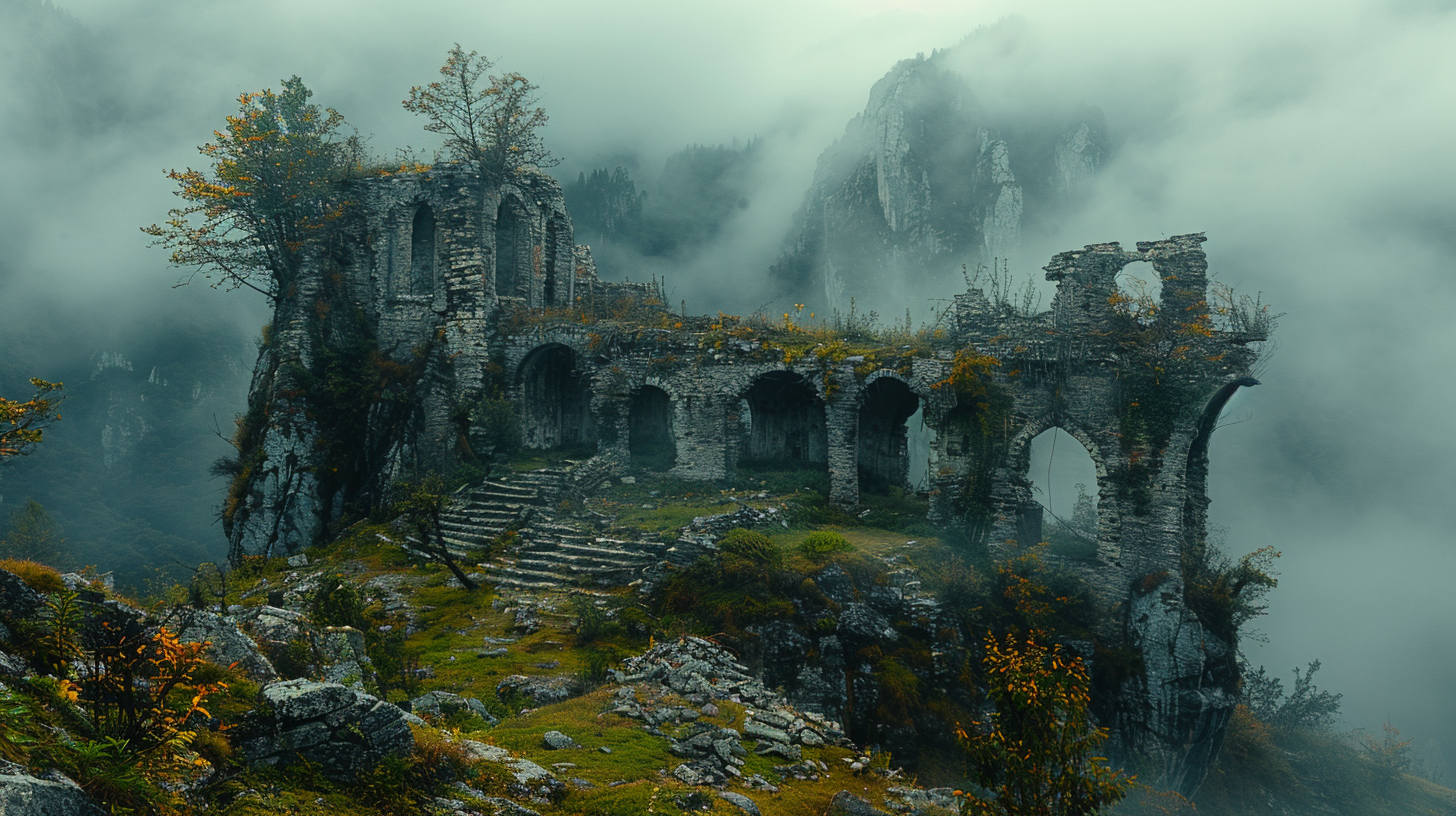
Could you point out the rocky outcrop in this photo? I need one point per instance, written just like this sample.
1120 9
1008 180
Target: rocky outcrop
229 646
924 179
24 795
1182 703
335 654
340 731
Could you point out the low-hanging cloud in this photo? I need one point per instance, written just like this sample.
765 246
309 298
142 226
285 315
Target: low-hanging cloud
1310 142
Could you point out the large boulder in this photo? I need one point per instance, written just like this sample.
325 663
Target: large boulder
230 646
24 795
341 731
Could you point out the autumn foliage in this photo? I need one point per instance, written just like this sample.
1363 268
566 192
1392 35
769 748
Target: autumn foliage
22 424
1034 752
272 189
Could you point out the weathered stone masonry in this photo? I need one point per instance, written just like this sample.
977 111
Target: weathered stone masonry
489 290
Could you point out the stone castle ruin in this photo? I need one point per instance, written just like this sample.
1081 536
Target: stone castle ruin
457 296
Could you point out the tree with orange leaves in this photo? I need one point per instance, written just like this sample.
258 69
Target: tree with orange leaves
22 424
1034 752
273 190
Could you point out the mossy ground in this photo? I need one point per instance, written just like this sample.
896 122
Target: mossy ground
448 645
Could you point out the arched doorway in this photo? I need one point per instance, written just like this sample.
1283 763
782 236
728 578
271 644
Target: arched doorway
507 252
884 452
649 429
786 421
555 400
1064 483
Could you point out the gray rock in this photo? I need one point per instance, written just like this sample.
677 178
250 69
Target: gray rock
845 803
859 621
342 731
505 807
741 802
755 730
437 704
687 774
557 741
343 657
24 795
538 690
271 624
17 600
790 752
229 645
12 667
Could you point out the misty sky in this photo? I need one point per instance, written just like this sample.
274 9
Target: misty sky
1312 142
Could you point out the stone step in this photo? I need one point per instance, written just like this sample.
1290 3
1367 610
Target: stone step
578 563
467 531
494 487
498 519
536 577
604 551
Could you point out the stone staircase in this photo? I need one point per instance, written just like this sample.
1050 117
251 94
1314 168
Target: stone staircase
552 552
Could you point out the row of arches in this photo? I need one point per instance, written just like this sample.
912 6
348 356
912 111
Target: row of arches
783 419
784 422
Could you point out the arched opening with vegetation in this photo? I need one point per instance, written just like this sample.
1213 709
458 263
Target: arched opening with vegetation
1139 291
786 422
884 450
422 252
649 429
1064 483
508 254
555 400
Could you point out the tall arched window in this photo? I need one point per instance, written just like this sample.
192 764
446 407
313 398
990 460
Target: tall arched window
422 252
507 254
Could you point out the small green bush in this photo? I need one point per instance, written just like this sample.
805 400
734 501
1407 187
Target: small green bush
819 546
494 426
751 545
338 603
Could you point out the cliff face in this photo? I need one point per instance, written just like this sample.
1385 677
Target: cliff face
925 180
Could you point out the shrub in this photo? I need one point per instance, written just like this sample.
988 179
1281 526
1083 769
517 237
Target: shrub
819 546
751 545
338 603
36 575
1035 750
494 427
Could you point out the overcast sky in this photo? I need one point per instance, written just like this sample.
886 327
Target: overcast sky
1313 142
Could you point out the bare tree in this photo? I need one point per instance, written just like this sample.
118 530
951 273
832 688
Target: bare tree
496 128
421 505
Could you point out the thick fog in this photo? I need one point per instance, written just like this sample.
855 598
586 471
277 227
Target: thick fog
1311 142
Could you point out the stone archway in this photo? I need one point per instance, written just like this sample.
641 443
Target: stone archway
786 421
884 452
649 429
555 401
